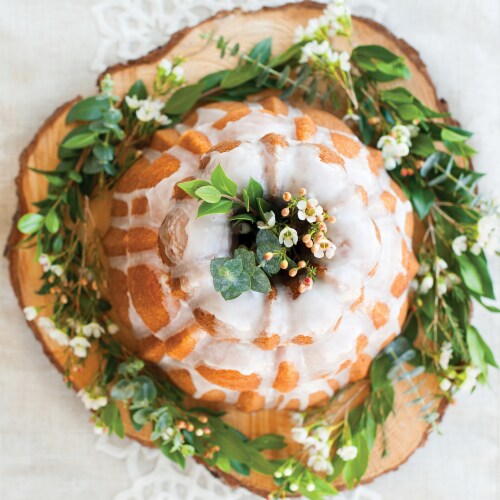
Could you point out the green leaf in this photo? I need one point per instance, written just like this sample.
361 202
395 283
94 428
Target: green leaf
480 353
30 223
422 199
222 182
212 80
239 76
190 187
423 145
243 217
240 468
184 99
268 442
208 193
138 89
255 191
79 141
474 271
259 282
409 112
222 207
378 371
87 110
111 417
284 57
52 221
354 469
452 134
262 50
246 199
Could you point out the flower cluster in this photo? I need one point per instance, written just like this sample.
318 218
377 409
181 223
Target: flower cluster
74 335
148 109
47 266
93 400
310 211
436 275
169 75
487 238
396 145
317 441
321 54
336 20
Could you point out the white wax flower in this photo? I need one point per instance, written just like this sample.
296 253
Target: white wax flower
79 345
93 330
347 453
445 355
459 245
288 237
92 402
30 313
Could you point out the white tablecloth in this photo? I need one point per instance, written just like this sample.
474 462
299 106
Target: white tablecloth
47 50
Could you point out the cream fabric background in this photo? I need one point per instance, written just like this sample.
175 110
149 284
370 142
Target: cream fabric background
47 449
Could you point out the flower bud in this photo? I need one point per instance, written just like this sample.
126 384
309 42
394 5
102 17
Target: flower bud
306 238
332 219
309 244
203 419
302 288
268 256
302 264
285 212
374 120
302 191
293 272
283 264
287 196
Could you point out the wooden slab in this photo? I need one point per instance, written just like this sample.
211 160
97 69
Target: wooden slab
405 431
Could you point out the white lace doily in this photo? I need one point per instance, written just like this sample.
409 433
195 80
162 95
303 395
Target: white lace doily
129 29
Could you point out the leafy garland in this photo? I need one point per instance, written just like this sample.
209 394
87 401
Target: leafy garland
424 153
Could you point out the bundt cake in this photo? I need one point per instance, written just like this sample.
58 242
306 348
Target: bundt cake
277 350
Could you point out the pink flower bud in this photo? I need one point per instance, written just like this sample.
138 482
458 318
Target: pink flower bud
285 212
287 196
302 191
268 256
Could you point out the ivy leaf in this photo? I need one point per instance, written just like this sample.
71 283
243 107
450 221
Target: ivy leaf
208 193
259 282
221 207
52 221
222 182
79 141
30 223
184 99
87 110
190 187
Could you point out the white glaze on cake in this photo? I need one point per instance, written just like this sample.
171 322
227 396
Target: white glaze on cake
261 351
